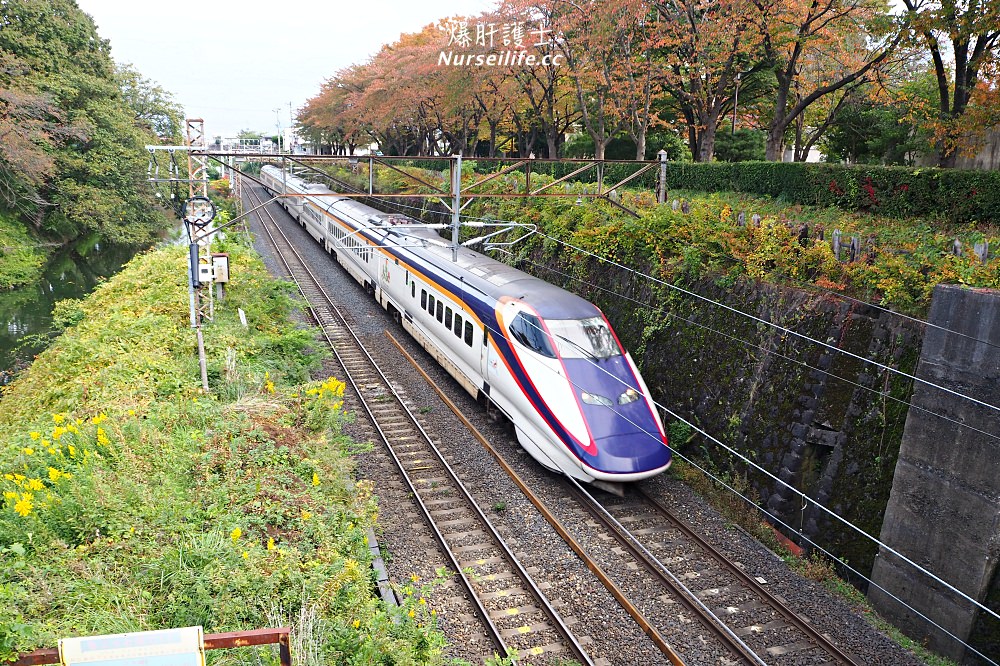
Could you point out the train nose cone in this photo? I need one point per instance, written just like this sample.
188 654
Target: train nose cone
630 453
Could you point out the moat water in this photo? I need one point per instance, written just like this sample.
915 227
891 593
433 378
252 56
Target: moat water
26 312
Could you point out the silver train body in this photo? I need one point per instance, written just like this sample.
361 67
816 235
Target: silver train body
545 357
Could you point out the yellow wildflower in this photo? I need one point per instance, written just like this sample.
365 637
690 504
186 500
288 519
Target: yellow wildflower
28 450
269 386
411 613
72 428
270 543
9 477
414 578
102 437
422 601
315 479
357 623
306 515
58 432
9 494
72 451
23 506
131 412
54 474
58 418
236 534
35 484
433 612
246 555
35 434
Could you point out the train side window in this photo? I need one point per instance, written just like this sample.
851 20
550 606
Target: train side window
458 325
440 311
423 299
413 289
447 317
468 333
430 304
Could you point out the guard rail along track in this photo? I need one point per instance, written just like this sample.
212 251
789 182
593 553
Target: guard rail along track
514 612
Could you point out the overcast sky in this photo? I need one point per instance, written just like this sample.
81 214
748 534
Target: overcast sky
234 63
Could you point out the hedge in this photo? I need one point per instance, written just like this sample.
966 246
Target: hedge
952 195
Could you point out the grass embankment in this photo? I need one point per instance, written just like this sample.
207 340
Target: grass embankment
21 258
901 260
132 501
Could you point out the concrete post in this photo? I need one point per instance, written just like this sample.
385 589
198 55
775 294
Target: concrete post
944 510
456 203
661 190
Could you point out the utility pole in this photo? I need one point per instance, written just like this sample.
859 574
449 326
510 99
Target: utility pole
198 215
277 120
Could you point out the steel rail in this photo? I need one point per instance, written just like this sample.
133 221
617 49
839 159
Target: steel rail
495 634
749 581
591 564
491 629
656 569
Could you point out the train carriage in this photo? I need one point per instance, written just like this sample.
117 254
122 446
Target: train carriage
546 358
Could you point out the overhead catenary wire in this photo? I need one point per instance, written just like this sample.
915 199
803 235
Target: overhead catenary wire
882 308
776 479
772 352
821 507
823 550
786 330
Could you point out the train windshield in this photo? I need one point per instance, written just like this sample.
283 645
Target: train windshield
583 338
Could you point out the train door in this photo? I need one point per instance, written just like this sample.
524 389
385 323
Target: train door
384 273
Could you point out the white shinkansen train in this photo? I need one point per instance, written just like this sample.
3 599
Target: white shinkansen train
546 358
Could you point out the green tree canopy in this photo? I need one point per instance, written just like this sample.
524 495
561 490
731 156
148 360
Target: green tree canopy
73 157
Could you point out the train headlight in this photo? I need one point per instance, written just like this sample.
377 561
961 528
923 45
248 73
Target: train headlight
628 396
594 399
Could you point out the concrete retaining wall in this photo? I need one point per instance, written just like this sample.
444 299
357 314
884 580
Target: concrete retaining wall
944 509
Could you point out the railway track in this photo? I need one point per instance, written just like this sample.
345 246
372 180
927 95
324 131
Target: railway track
511 608
737 606
731 607
734 607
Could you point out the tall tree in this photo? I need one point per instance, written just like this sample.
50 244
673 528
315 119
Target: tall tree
61 94
970 29
818 47
706 47
154 108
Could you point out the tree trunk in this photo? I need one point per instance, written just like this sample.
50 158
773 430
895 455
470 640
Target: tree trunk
599 149
551 138
947 159
775 144
640 145
706 143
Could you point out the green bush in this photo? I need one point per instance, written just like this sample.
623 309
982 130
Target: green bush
131 500
951 195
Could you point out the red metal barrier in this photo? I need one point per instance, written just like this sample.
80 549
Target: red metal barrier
231 639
